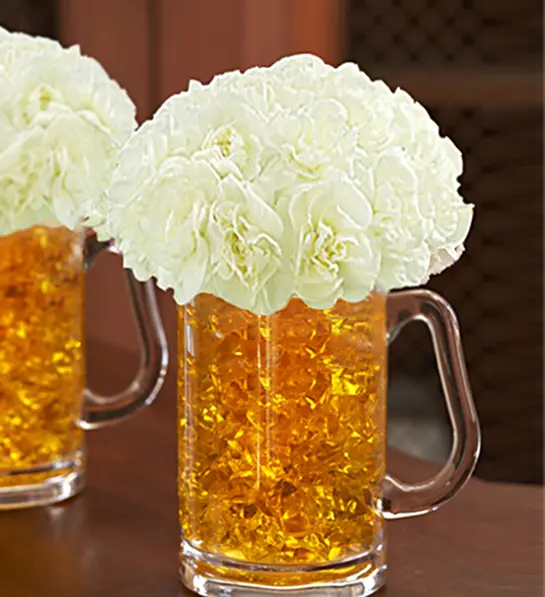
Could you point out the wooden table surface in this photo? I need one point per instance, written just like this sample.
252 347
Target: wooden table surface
119 538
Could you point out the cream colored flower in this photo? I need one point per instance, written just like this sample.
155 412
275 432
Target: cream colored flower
298 80
399 227
315 140
327 240
164 216
62 123
256 89
247 265
219 129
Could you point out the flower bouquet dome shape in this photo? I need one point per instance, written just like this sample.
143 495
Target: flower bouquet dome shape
295 180
62 123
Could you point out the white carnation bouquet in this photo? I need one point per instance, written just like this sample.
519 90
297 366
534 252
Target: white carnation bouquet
297 180
62 124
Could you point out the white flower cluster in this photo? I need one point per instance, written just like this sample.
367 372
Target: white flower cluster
295 180
62 123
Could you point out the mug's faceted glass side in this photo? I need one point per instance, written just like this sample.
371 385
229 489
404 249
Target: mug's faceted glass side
42 365
282 423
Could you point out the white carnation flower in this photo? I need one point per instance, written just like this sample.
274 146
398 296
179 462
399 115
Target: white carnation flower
247 265
165 237
258 90
314 140
327 240
62 123
294 180
298 80
217 128
399 226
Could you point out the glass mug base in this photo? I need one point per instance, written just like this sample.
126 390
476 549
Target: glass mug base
213 576
43 485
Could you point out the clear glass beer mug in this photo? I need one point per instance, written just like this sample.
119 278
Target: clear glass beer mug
282 442
44 403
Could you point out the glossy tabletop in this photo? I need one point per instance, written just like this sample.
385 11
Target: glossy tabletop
119 538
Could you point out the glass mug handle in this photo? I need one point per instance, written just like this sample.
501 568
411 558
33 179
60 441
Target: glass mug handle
99 411
401 499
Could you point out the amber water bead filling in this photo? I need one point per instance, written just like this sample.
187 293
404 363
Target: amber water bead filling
282 423
41 352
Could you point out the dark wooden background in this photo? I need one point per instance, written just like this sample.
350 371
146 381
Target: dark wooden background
476 64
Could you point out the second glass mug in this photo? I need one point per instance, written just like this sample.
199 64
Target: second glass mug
282 442
44 404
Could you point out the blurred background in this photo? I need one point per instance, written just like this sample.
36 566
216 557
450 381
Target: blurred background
477 66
